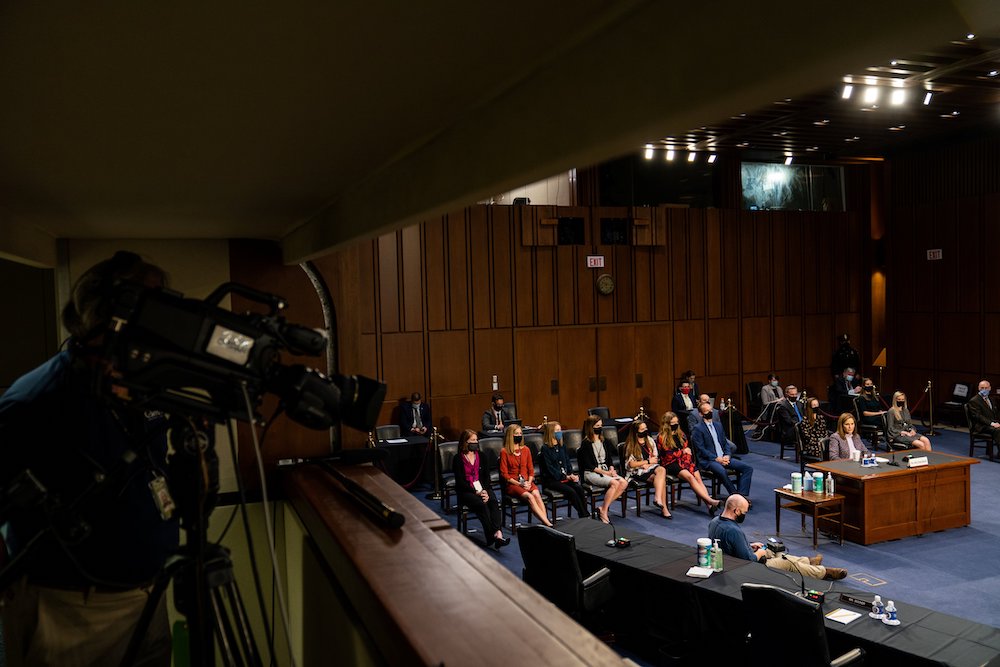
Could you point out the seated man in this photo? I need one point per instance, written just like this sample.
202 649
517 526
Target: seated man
715 453
788 414
494 419
695 417
734 542
843 391
985 414
415 418
771 391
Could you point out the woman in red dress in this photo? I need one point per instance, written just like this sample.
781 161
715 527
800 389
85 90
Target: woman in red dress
675 456
517 472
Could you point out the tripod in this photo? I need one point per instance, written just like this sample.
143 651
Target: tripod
205 589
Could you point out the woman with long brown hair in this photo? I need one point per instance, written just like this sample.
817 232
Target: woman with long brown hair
597 463
472 486
813 429
675 455
642 462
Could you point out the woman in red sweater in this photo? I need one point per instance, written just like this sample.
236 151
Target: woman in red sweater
517 472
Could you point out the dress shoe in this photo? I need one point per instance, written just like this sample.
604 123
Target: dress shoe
816 560
659 506
501 541
714 509
834 573
668 516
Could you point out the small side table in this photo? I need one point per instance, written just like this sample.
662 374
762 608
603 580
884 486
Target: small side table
817 505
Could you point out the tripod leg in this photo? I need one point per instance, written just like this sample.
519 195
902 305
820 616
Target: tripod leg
145 618
232 627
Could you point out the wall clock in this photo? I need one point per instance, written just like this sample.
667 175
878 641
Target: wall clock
605 284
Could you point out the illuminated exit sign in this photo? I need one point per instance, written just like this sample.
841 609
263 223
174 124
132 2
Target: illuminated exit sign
595 261
934 254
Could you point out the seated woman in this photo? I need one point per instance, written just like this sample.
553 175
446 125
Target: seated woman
517 472
557 470
472 486
597 464
899 426
871 408
813 429
771 391
675 456
642 463
844 442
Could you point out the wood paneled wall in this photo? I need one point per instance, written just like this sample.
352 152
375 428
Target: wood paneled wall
443 306
944 316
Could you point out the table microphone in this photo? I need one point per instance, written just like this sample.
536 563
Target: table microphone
814 596
615 541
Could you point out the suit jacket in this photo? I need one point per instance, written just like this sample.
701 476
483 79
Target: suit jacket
490 421
406 417
981 414
785 414
677 404
839 448
840 395
694 418
704 446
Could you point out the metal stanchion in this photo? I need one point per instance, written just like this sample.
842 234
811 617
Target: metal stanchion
930 400
436 493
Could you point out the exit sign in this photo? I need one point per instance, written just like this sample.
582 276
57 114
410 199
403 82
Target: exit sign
595 261
934 254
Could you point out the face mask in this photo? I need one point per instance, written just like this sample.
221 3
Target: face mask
774 383
793 398
674 427
899 404
498 408
707 416
685 390
984 392
642 434
869 389
849 378
815 408
518 439
740 518
558 436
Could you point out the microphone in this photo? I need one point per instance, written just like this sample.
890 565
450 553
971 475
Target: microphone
814 596
928 387
615 541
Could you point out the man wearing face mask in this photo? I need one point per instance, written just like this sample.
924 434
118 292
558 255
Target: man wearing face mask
985 414
788 414
715 453
843 391
771 391
494 419
726 528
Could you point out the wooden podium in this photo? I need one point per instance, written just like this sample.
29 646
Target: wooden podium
889 502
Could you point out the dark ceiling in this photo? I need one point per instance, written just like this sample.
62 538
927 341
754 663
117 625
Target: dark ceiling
962 77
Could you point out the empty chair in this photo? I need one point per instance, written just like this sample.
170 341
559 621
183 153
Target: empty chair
610 434
601 411
446 456
490 448
551 568
799 637
754 406
571 441
951 410
387 432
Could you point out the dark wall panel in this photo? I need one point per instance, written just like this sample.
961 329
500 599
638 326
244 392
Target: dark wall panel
457 262
436 260
493 356
449 366
388 283
412 274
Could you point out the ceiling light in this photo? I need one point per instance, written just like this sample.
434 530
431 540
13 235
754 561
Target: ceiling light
971 35
822 123
871 95
711 158
993 72
897 128
848 89
927 97
788 160
898 97
649 151
743 144
893 62
670 154
691 157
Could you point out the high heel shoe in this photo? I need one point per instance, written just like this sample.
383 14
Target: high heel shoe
501 541
714 509
668 516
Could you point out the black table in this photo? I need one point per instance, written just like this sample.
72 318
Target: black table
404 456
656 601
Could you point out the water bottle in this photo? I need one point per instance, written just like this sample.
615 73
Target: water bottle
807 482
829 484
878 611
716 556
890 614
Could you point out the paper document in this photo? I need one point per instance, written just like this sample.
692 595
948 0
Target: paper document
842 615
397 441
881 459
700 572
622 420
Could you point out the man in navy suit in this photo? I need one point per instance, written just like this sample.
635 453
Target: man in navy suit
415 418
715 453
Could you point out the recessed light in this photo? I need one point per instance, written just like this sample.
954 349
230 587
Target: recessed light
848 89
649 152
898 97
743 144
788 160
993 72
927 97
712 158
670 154
691 157
871 95
893 62
971 35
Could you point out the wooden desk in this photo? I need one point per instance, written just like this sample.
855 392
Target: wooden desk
817 505
889 502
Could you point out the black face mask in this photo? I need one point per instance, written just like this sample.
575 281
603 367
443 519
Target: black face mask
707 416
740 518
869 389
642 434
518 439
497 408
674 427
899 404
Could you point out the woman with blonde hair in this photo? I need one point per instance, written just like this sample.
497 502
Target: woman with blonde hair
642 462
557 470
899 426
517 472
675 455
597 463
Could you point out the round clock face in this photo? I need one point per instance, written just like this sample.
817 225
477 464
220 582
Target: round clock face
605 283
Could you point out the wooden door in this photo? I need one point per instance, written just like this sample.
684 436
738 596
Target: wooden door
536 364
616 370
577 374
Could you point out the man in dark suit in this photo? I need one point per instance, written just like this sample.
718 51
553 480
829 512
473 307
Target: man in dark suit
415 418
715 453
843 391
788 414
495 419
985 414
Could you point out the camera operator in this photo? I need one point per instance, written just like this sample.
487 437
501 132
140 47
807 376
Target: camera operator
87 579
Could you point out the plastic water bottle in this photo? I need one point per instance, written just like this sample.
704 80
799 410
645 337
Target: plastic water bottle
807 482
890 614
878 611
829 484
716 556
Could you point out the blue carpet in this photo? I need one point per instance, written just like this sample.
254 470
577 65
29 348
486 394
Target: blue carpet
951 571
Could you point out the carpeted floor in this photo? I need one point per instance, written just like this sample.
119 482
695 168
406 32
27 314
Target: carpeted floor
951 571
